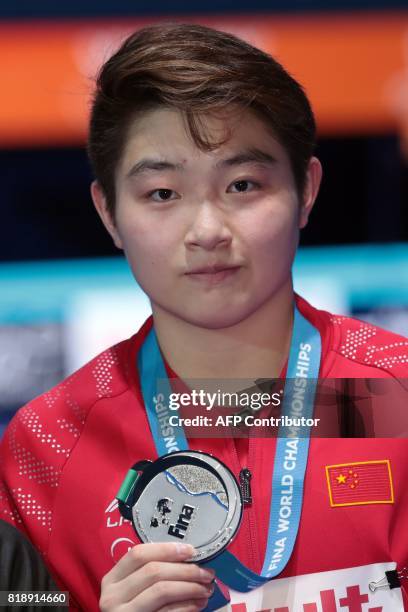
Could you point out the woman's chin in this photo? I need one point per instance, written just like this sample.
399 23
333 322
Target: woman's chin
216 320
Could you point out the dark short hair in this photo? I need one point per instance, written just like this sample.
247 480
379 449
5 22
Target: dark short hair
196 70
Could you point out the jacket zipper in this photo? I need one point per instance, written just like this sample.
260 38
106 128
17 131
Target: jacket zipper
245 484
251 512
248 508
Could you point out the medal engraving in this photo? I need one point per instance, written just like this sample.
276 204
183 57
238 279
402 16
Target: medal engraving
163 508
178 530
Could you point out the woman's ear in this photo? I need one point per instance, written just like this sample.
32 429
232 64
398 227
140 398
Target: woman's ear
99 200
313 180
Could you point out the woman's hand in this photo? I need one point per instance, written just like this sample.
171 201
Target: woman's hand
153 578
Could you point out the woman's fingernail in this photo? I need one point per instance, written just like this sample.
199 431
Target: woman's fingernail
207 574
185 550
210 589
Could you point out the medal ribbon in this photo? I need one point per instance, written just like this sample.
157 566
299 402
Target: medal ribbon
290 459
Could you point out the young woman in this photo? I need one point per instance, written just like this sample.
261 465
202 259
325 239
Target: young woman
202 148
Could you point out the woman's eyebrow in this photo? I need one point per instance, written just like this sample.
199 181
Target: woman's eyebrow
248 156
150 164
242 157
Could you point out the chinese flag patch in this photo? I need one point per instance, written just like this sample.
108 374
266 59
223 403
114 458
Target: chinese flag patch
366 482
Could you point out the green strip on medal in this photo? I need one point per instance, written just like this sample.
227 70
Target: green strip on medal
127 486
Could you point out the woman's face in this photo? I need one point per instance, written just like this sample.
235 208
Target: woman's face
210 236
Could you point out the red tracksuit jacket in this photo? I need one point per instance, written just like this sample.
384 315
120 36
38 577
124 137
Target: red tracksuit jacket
64 456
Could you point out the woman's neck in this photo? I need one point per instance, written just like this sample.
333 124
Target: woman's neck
257 347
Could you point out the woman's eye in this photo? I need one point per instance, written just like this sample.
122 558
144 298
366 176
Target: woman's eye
242 186
162 195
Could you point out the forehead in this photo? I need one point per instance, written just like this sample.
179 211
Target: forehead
163 132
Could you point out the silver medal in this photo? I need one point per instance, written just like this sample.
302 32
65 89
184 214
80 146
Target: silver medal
188 497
